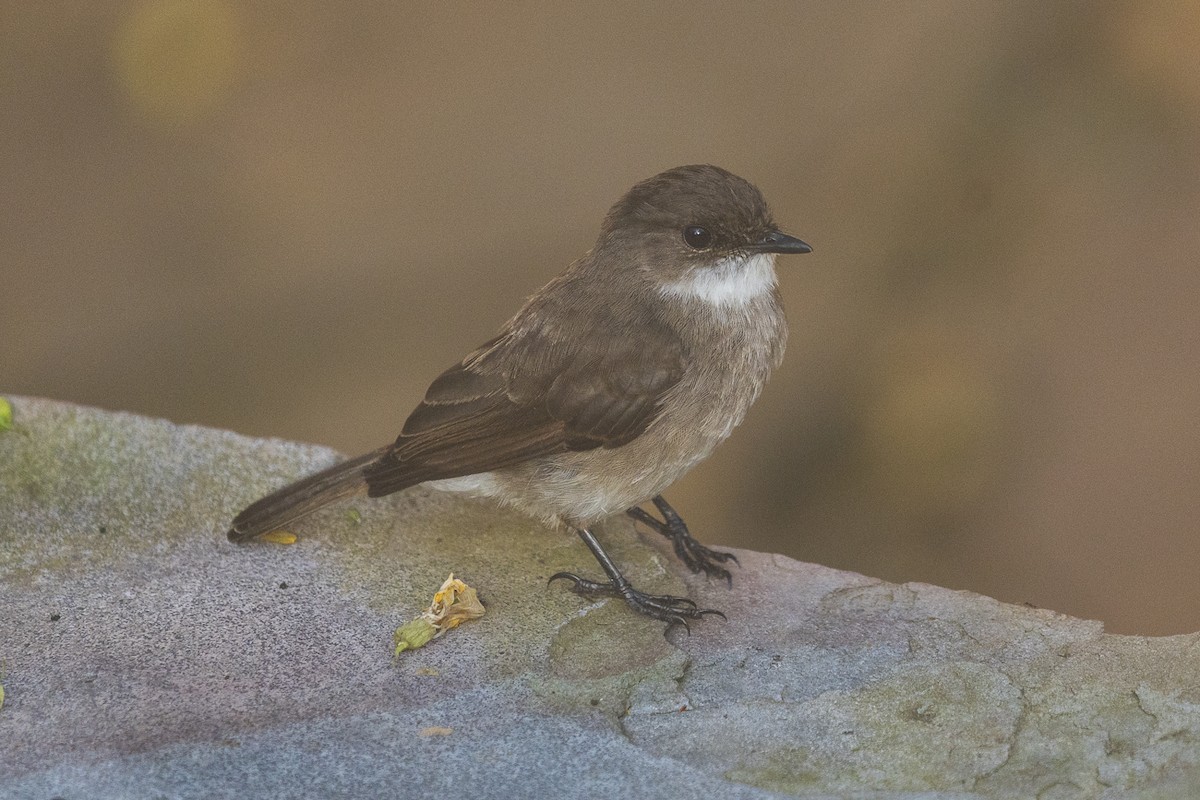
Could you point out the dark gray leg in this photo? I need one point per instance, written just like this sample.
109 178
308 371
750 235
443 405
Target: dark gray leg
671 610
696 556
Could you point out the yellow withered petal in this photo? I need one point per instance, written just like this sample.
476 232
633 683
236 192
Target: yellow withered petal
454 603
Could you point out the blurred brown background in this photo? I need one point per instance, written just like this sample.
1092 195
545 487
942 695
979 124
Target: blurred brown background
285 218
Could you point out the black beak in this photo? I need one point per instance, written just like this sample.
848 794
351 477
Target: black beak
778 242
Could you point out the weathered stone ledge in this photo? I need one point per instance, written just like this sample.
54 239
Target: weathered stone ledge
142 655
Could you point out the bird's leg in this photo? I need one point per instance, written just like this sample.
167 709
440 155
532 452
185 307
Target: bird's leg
672 610
696 556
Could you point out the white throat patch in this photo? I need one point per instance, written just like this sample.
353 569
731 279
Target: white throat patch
733 281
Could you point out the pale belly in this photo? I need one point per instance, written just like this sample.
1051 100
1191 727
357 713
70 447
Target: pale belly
580 488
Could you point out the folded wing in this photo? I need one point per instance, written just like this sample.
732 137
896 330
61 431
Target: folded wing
523 395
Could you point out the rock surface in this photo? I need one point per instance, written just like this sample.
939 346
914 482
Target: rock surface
142 655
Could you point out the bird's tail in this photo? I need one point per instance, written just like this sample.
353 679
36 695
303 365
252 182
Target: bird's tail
301 498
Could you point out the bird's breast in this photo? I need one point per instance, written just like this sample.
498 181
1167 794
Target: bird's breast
728 362
730 357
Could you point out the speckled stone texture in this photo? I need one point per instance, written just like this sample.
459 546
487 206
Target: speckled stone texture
142 655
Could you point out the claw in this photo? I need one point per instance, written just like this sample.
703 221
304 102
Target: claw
571 576
694 555
667 608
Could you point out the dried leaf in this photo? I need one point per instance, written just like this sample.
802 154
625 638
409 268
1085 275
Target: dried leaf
452 605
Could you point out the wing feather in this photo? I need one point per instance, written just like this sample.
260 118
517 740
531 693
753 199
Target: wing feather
521 397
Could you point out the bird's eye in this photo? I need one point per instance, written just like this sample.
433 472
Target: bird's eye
696 237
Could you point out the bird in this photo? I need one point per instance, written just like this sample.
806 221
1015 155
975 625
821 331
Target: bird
609 384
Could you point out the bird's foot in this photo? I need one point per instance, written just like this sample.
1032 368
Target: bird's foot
671 610
691 552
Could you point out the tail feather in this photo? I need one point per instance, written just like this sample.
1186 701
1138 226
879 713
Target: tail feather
301 498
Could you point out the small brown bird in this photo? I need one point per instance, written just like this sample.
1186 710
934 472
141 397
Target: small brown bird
615 379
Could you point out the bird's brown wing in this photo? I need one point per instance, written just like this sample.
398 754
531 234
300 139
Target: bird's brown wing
522 396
